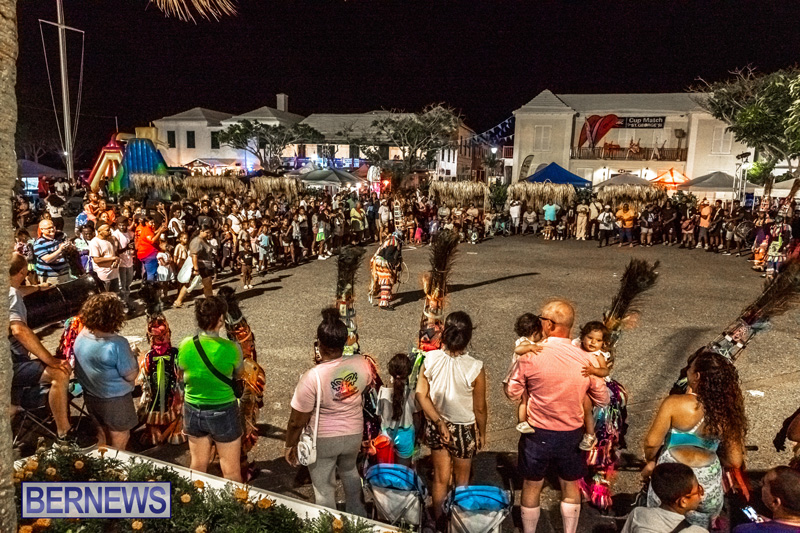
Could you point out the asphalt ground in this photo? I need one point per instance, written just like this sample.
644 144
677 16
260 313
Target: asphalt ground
696 296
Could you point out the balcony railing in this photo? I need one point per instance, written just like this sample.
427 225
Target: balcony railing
622 153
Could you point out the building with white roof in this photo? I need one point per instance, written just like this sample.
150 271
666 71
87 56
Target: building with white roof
598 136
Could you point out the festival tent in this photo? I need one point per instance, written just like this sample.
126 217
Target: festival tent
714 182
331 177
670 179
782 189
553 173
629 188
31 169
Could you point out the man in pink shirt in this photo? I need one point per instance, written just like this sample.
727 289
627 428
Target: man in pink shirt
556 389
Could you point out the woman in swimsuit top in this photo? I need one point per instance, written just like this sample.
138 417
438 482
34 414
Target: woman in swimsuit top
693 425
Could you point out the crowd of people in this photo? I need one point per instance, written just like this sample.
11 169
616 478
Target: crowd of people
556 382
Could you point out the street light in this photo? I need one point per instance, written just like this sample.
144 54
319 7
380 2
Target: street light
494 149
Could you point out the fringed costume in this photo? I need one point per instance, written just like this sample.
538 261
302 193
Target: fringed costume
780 234
347 266
72 327
434 285
162 399
238 330
385 266
611 420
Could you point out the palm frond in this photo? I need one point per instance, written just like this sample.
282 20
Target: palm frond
443 253
452 193
347 266
265 186
196 186
636 195
639 277
536 195
185 9
158 183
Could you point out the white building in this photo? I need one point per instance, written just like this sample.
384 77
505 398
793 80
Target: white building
668 130
190 138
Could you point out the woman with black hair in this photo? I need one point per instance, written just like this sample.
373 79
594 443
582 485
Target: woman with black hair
339 382
452 393
703 429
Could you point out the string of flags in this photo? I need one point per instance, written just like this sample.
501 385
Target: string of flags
496 135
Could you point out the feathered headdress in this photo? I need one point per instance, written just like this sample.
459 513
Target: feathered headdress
639 277
348 264
443 251
779 295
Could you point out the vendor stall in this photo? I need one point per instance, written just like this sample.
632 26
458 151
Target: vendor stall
631 189
536 195
716 185
289 186
463 193
197 186
670 179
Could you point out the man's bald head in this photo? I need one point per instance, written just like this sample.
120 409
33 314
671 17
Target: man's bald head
558 317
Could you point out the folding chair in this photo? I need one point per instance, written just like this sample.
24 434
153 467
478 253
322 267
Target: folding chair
397 492
478 509
35 410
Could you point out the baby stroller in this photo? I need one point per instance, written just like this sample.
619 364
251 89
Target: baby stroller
477 509
398 494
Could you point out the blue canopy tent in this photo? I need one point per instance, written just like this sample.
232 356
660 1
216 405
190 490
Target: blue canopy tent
553 173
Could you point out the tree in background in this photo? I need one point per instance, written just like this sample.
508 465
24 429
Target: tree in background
492 163
418 136
761 110
267 142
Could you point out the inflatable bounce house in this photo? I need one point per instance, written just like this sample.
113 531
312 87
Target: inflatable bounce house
131 161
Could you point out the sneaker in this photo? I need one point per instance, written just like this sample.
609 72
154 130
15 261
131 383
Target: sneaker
588 442
699 246
322 257
524 427
726 253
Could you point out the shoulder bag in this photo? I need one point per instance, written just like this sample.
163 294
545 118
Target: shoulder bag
307 445
237 385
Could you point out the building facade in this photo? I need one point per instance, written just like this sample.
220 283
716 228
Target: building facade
597 136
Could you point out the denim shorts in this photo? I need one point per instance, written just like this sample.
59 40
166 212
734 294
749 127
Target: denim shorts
221 423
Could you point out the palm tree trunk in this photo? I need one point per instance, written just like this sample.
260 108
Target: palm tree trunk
8 175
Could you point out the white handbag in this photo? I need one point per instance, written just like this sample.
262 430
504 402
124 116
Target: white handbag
307 445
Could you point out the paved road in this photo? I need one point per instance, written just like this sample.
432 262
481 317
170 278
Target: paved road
697 294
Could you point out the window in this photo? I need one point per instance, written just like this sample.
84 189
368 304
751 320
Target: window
171 139
508 152
215 140
355 152
190 139
301 151
383 152
721 141
541 138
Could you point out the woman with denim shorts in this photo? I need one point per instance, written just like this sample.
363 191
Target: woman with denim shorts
210 408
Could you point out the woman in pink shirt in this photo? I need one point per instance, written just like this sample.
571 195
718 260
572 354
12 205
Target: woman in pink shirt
342 381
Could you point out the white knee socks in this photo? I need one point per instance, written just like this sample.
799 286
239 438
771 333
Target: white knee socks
570 512
530 517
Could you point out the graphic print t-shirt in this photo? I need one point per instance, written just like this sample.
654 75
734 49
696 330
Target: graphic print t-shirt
342 381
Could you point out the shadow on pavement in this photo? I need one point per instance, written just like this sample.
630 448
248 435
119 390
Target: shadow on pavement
418 295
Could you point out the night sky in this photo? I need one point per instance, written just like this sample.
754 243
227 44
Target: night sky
485 58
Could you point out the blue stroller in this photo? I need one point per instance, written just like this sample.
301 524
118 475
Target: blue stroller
398 494
478 509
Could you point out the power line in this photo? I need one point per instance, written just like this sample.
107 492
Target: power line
61 112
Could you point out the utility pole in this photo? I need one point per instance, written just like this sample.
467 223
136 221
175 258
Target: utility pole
62 54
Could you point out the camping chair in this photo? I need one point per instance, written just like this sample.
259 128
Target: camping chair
397 492
478 509
34 410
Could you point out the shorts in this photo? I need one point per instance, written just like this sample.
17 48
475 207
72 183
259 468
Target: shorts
117 414
463 439
702 233
403 440
729 235
220 423
645 231
539 449
27 373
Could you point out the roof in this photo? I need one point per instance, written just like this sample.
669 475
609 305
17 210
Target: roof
267 113
29 169
211 117
624 179
330 124
546 101
715 181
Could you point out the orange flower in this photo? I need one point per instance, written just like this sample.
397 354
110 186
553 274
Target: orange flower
338 525
25 529
28 474
51 471
240 494
42 522
265 503
201 529
102 450
78 464
199 485
186 498
137 525
31 465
